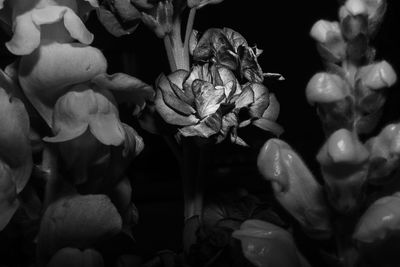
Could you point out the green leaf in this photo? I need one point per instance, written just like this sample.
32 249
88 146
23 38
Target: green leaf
380 220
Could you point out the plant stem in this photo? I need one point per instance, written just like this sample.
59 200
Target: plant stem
168 49
189 179
175 49
50 167
189 28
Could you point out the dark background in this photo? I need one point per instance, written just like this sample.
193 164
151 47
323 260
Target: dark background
281 29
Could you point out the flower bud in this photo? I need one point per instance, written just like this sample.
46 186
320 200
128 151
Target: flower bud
294 186
322 31
356 7
373 10
377 75
343 162
73 257
265 244
385 153
380 220
331 45
326 88
161 21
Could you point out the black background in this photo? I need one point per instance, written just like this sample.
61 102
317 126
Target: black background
281 29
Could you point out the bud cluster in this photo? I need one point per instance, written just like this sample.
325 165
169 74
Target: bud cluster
349 97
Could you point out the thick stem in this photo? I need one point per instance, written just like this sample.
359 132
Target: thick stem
181 60
189 29
191 194
170 55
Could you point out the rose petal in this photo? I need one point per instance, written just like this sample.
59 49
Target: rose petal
170 116
207 97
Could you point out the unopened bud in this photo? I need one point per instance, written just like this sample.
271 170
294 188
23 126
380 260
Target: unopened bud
385 153
378 75
343 161
380 220
326 88
294 186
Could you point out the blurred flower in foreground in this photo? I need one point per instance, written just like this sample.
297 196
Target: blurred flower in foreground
377 232
344 163
380 220
265 244
77 222
15 150
295 187
73 257
384 154
207 101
